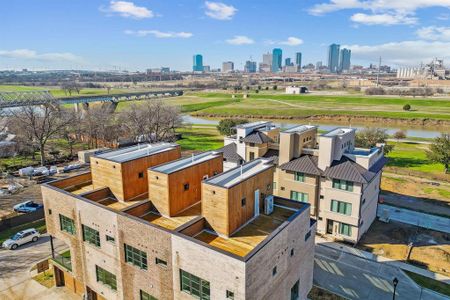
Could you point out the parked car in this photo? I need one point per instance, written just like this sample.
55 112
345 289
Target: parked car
27 207
22 237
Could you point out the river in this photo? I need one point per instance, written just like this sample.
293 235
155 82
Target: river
410 132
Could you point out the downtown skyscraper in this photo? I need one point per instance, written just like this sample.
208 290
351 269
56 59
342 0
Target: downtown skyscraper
277 59
333 58
197 65
344 60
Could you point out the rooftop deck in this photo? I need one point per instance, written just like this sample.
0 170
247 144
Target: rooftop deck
184 163
173 222
80 188
247 238
299 129
239 174
135 152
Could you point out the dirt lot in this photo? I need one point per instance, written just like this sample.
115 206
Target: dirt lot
416 193
431 249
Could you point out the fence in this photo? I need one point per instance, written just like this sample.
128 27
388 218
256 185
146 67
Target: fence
21 219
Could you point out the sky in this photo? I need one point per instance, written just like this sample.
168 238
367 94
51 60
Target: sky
140 34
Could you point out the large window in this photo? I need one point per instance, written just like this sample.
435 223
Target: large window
297 196
295 293
345 229
341 207
299 176
146 296
194 285
106 277
67 224
91 236
343 185
135 257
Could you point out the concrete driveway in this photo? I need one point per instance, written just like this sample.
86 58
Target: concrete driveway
15 278
355 277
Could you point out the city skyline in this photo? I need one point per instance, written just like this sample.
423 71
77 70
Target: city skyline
136 35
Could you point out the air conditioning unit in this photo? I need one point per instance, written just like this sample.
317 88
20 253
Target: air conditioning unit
268 205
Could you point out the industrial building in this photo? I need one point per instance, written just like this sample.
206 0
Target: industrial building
145 223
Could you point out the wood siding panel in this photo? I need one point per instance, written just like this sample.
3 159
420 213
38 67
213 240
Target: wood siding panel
215 207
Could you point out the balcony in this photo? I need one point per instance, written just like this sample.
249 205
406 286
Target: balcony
64 260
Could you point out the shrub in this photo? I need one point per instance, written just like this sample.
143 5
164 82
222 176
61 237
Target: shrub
407 107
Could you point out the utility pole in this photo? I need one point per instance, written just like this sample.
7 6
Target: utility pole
378 74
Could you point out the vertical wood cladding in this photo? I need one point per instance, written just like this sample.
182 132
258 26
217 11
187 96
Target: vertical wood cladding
167 191
123 178
223 207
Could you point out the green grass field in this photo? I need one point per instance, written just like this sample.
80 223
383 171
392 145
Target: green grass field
282 105
200 138
413 156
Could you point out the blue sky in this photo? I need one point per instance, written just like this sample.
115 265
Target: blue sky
140 34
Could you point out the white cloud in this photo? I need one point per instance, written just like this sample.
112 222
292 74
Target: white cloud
240 40
402 53
383 12
28 54
159 34
128 10
292 41
219 10
434 33
382 19
443 17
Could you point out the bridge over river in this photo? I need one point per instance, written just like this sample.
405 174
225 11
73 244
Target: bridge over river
17 99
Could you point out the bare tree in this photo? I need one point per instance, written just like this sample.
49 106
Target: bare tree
37 124
151 121
72 130
100 125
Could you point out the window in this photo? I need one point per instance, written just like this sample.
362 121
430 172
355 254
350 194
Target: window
295 291
252 144
67 224
298 176
230 295
194 285
345 229
274 185
341 207
110 239
297 196
135 257
274 271
343 185
243 201
49 211
161 262
146 296
321 197
106 277
252 155
91 235
141 175
308 235
186 186
282 188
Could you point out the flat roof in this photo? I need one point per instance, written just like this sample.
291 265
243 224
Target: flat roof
253 124
251 235
241 173
174 222
338 132
135 152
184 163
299 129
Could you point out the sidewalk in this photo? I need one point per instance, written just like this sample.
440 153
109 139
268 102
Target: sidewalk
382 259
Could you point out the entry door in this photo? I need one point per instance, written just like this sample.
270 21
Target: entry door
256 209
330 226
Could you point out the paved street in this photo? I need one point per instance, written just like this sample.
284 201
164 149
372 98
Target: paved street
15 265
414 218
354 277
